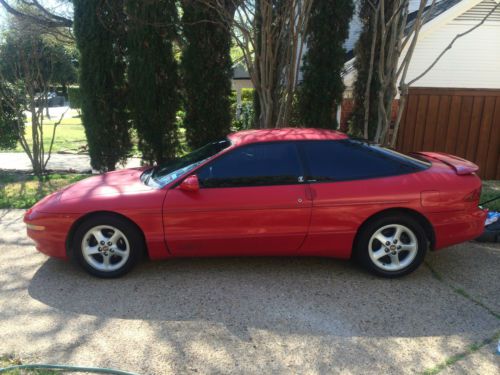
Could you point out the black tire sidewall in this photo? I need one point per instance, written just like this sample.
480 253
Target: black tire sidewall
134 238
363 239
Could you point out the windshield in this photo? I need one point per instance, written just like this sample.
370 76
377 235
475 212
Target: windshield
169 171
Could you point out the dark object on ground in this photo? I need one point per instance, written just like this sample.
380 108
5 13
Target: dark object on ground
491 233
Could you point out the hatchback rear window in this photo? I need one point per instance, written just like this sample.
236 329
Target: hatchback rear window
352 159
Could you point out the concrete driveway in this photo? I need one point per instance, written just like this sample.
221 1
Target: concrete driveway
251 315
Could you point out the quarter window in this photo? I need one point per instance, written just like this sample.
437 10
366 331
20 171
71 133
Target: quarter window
254 165
352 160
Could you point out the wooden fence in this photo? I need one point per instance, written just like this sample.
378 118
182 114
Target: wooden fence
463 122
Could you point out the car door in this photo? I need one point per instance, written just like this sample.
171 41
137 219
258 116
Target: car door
252 201
351 180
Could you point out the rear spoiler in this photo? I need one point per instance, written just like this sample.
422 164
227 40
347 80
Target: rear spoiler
461 166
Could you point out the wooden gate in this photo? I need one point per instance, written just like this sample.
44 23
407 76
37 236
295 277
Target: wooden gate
463 122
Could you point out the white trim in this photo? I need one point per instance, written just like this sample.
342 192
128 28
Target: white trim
448 16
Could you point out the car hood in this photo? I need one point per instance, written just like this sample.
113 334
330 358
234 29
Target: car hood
122 182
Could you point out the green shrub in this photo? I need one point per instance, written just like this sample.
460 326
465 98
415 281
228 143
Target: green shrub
100 38
207 72
322 87
153 78
247 95
75 100
9 122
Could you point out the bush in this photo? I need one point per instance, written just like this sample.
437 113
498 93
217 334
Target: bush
9 122
246 111
322 87
8 130
100 34
207 73
74 95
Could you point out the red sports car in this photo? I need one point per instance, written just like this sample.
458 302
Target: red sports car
298 192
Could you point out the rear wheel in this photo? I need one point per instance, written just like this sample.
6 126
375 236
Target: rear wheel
107 246
391 246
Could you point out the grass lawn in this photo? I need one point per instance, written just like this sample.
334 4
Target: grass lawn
70 134
8 362
69 137
18 190
491 189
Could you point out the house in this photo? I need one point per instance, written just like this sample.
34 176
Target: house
241 80
455 108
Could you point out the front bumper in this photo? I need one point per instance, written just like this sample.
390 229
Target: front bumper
49 231
452 228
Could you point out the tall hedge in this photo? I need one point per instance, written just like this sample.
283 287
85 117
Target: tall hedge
207 73
153 77
322 87
99 32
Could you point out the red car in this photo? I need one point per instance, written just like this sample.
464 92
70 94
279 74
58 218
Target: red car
294 192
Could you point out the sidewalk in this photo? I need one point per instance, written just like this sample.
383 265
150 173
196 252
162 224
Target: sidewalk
58 162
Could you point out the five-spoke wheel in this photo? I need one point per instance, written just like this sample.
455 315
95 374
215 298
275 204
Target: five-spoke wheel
391 246
107 245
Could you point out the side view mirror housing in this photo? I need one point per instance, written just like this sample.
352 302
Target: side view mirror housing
190 183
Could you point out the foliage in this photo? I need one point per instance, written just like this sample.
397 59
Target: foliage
52 62
206 65
153 77
322 87
246 112
30 67
270 34
10 123
491 189
99 33
75 97
19 190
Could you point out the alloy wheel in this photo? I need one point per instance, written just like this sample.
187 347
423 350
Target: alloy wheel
393 247
105 248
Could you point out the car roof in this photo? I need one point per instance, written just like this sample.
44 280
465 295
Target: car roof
284 134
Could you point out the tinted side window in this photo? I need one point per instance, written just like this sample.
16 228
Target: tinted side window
351 160
253 165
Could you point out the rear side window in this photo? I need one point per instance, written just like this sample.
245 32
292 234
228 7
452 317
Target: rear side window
254 165
353 160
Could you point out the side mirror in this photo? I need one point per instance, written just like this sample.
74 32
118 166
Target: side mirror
190 183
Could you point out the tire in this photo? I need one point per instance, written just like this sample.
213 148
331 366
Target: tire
122 248
391 246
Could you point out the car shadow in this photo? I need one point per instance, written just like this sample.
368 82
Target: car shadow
294 295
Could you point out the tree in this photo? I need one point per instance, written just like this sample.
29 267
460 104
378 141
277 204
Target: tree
206 65
52 17
29 68
271 35
153 77
322 87
99 32
366 85
392 45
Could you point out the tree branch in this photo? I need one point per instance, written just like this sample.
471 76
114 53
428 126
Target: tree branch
50 20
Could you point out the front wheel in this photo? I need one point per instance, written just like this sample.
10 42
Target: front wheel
391 246
107 246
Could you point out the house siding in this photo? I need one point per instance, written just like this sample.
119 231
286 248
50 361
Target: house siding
473 62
